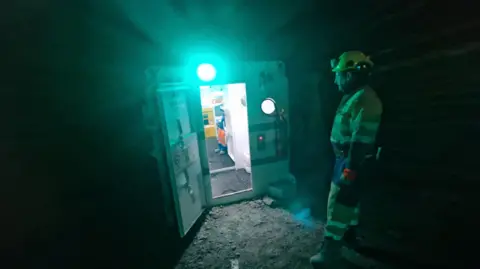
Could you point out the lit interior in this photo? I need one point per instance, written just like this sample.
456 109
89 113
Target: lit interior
225 120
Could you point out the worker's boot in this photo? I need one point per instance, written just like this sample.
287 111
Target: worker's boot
220 151
329 253
351 238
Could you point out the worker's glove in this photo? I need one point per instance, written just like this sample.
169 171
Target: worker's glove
347 177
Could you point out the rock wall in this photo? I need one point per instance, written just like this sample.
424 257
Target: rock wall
81 188
426 75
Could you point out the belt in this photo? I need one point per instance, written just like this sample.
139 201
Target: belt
344 153
340 150
340 153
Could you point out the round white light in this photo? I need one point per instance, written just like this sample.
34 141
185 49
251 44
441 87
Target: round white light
268 106
206 72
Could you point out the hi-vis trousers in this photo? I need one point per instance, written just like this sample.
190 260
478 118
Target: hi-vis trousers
339 216
343 202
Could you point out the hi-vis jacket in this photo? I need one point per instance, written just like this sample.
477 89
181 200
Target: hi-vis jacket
355 127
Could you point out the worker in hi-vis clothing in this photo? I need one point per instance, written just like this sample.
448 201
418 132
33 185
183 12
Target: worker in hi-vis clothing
221 134
353 139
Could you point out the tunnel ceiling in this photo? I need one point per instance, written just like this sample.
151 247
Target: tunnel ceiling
260 30
306 30
190 26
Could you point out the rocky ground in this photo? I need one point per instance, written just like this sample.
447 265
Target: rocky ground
253 235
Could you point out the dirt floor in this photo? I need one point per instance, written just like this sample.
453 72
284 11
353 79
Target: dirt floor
253 235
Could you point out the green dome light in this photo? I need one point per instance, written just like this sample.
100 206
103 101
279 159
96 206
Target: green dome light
206 72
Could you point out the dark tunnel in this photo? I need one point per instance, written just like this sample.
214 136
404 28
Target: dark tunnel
82 189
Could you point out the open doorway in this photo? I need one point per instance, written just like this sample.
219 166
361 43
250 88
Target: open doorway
225 119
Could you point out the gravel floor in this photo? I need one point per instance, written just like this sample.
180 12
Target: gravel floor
253 235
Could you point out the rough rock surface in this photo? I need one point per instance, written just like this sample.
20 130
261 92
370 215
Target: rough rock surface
253 235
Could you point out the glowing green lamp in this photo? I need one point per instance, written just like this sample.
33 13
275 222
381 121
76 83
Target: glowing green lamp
206 72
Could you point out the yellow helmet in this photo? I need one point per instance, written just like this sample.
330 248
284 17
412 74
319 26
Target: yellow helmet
350 61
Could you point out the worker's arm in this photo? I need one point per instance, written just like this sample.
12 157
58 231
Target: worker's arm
365 123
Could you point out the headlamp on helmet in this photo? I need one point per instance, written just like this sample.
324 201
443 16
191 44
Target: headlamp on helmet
351 61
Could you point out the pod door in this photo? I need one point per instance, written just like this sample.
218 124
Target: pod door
176 105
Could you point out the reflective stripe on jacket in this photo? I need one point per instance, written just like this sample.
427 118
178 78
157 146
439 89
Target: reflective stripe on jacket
356 125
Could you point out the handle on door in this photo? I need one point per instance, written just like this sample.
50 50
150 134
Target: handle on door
181 142
179 126
187 155
188 186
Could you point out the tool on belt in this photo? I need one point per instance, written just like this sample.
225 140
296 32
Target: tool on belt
342 174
